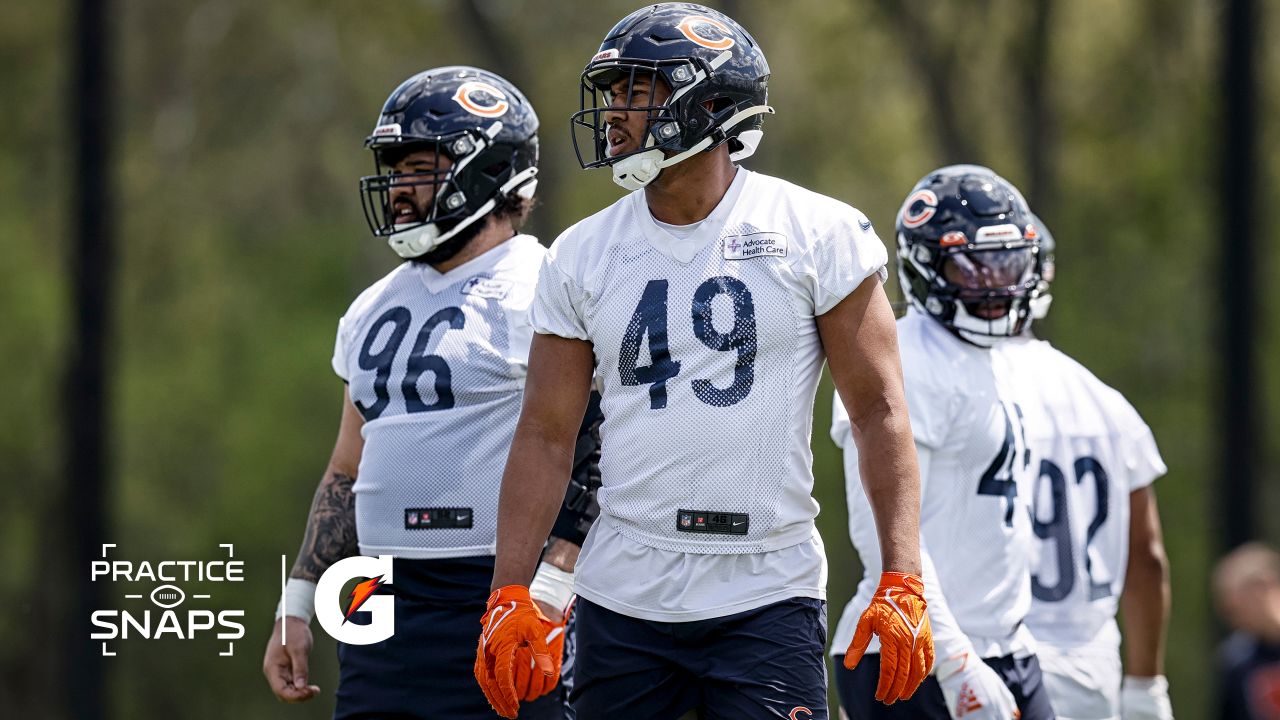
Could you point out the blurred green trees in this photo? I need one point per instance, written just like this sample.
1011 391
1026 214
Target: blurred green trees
240 127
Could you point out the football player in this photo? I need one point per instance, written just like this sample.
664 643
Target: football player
968 263
705 300
1100 543
434 357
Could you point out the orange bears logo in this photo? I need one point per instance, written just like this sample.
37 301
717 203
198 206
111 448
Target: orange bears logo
695 28
913 217
481 98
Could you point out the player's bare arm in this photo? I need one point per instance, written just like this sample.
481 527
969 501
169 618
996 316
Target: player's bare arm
537 472
1145 600
330 536
860 340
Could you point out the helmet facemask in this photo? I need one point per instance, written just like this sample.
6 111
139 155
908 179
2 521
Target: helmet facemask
688 121
980 290
449 211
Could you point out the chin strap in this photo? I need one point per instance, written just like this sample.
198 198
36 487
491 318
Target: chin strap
638 170
421 239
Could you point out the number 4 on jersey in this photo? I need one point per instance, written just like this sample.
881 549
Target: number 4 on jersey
998 480
650 319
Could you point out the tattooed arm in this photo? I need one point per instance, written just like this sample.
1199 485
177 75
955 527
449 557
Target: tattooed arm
331 524
330 536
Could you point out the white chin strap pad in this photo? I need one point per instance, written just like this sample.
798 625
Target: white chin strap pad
416 241
638 170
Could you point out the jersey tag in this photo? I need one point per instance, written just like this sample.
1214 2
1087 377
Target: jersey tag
487 287
757 244
702 521
436 518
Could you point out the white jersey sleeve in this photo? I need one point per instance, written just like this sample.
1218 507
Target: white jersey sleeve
435 364
846 253
557 305
1094 450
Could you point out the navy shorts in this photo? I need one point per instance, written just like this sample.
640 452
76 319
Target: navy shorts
857 688
762 663
425 670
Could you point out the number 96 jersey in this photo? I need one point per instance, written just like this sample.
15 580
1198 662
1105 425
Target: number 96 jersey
709 356
436 363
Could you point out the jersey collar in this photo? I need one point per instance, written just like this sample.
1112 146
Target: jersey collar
437 281
684 249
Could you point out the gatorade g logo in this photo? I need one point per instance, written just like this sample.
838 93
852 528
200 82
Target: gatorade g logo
333 614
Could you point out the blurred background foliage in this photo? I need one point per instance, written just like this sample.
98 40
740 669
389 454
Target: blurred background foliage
240 128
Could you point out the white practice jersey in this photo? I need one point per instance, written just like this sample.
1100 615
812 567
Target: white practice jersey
1093 450
975 486
709 357
436 364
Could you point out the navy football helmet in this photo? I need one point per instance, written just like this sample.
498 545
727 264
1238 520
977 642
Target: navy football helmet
718 80
476 119
969 253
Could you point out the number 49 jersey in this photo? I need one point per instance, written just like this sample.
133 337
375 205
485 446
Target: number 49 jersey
709 356
436 364
1094 450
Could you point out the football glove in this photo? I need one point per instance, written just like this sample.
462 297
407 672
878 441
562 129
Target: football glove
530 682
973 691
511 622
1145 698
898 615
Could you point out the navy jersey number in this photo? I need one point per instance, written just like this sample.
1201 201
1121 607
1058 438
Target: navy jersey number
998 479
399 319
1058 529
650 319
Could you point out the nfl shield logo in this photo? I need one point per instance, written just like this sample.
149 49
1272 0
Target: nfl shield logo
685 520
412 518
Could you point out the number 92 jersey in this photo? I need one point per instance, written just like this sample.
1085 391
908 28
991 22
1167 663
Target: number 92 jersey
436 365
706 345
1094 450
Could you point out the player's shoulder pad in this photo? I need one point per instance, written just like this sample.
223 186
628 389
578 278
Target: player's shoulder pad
585 243
931 356
1112 407
523 259
369 298
816 217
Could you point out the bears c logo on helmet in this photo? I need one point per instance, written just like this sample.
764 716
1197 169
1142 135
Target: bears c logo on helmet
481 98
913 216
690 27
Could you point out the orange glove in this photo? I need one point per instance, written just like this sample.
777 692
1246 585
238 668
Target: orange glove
897 614
511 622
531 684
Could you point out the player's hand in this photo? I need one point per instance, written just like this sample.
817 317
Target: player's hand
974 691
286 665
510 622
1145 698
531 683
897 614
